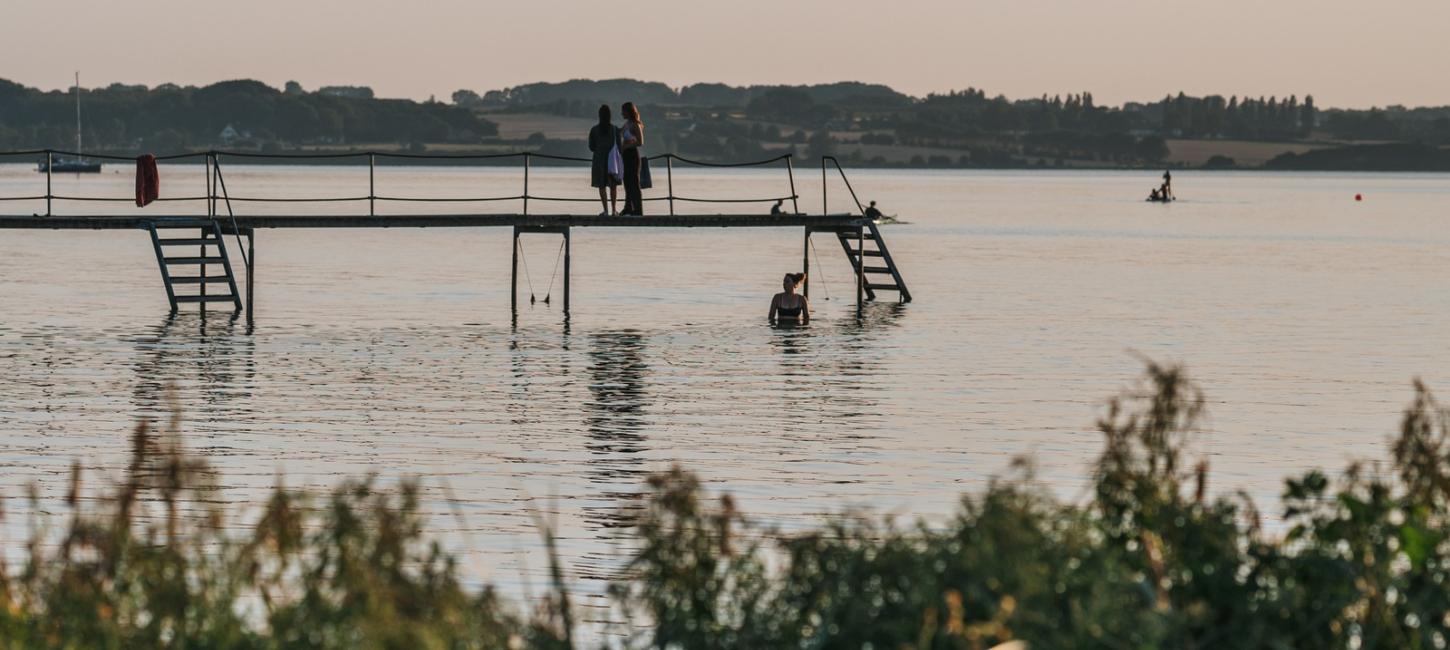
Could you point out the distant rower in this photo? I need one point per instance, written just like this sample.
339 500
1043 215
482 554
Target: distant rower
872 213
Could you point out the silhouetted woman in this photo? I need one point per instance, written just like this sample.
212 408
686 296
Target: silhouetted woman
602 139
631 138
789 306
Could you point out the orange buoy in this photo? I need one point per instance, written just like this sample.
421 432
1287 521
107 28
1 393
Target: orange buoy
1359 197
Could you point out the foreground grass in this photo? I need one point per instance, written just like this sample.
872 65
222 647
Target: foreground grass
1149 561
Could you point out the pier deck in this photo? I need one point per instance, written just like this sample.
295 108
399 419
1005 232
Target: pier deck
249 222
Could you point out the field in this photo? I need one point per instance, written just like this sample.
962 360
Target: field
1245 153
517 126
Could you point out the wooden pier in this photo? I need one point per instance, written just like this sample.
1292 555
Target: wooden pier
853 231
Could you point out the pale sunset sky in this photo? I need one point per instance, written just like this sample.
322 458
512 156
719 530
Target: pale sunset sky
1347 53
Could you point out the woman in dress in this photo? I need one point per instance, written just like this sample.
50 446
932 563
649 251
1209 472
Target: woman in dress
789 307
602 139
631 138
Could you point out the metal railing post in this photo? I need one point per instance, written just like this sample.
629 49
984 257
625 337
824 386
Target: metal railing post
372 191
670 180
49 167
208 163
526 183
824 206
795 207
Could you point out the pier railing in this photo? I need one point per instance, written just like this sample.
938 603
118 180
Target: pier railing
215 190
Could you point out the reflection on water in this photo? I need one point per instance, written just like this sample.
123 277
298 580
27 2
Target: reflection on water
615 419
213 356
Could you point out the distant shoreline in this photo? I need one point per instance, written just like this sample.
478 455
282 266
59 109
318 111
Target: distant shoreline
1197 155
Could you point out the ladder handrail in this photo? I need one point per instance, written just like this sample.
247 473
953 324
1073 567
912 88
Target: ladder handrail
852 190
236 232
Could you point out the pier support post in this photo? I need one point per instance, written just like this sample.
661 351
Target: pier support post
514 276
568 246
251 272
806 262
860 268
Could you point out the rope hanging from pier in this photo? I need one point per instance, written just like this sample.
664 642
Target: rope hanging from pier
550 291
522 258
820 269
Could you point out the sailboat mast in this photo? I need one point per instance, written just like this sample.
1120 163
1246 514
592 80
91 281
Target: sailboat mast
78 112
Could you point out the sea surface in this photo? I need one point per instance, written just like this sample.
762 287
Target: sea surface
1303 314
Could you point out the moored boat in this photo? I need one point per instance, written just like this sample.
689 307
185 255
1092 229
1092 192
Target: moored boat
79 164
70 165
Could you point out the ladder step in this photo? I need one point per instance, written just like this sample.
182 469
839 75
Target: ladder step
194 241
208 298
873 287
851 235
193 260
197 279
867 253
876 269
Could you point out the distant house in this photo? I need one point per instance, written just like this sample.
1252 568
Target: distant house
230 135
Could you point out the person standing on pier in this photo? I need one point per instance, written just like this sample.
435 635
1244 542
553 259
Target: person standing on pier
603 139
631 138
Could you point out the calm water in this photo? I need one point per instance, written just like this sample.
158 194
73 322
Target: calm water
1303 314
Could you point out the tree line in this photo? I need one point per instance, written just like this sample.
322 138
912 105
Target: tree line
860 121
172 118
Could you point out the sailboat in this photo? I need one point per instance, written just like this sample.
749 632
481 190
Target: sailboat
79 164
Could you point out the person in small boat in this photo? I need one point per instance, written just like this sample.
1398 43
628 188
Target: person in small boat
872 213
601 141
777 208
788 306
1154 195
1167 190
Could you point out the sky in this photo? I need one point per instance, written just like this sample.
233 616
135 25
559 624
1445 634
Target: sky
1346 53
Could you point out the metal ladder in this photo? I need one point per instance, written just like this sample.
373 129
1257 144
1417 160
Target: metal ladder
862 243
210 236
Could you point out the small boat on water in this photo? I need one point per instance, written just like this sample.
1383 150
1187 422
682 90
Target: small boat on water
1152 199
79 164
71 165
